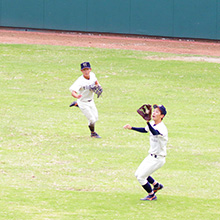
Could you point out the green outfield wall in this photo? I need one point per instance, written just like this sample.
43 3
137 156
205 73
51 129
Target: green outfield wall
167 18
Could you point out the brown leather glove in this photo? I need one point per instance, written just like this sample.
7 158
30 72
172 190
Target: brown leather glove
145 111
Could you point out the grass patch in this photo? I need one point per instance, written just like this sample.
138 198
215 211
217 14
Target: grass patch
51 168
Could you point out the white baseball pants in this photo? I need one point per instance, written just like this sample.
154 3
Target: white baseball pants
148 166
89 110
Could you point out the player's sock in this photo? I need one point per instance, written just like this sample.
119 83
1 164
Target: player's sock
152 194
150 180
156 184
147 187
92 127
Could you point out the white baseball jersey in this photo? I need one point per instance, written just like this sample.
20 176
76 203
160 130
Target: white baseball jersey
86 102
158 142
81 87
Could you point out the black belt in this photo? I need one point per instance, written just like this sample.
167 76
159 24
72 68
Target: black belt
89 100
154 155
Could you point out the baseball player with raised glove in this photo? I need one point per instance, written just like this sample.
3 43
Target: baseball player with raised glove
157 152
83 89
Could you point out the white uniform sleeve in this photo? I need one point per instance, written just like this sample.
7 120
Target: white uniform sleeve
75 87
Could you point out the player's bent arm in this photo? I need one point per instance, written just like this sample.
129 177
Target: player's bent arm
153 131
97 83
75 95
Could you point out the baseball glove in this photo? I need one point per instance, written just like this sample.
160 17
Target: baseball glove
97 89
145 112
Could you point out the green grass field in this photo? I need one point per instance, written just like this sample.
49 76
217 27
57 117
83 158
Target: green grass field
50 168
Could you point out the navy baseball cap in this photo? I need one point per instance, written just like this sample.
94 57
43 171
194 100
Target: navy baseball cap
85 65
162 109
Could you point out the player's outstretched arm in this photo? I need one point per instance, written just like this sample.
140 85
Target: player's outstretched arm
142 130
127 127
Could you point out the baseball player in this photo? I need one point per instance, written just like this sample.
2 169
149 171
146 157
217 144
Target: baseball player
81 89
157 152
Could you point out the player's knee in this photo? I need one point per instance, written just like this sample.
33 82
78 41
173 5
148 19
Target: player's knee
137 176
140 178
93 120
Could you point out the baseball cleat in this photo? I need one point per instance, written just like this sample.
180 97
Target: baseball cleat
74 104
95 135
149 198
155 189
